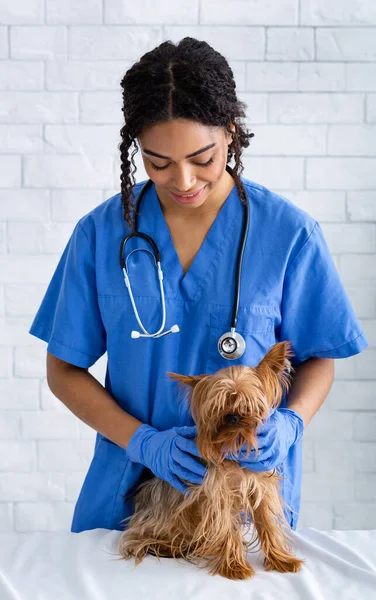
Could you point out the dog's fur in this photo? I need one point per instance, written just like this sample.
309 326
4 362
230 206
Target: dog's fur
207 522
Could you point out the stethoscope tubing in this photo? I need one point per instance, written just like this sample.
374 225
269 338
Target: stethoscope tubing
157 258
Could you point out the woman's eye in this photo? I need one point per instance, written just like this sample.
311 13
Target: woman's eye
158 168
198 164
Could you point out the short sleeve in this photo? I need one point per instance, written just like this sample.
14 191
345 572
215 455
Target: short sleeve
317 316
68 318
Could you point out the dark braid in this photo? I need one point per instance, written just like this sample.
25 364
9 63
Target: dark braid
189 80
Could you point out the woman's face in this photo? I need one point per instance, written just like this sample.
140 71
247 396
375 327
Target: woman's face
175 172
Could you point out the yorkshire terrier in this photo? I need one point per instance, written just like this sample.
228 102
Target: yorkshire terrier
207 522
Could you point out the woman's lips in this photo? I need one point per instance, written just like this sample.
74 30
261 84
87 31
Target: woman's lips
188 199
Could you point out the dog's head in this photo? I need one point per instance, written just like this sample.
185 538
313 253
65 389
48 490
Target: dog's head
228 405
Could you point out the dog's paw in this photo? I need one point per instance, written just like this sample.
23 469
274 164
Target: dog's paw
234 571
287 565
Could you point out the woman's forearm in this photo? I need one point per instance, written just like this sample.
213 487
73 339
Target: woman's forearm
85 396
310 386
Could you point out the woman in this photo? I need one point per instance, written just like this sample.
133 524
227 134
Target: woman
181 110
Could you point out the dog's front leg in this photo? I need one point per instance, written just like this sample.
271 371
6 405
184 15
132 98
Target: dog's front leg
274 540
229 558
218 539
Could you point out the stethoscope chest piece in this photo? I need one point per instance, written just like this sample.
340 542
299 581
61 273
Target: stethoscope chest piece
231 345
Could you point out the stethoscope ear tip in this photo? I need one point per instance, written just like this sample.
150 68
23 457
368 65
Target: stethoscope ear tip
175 329
135 334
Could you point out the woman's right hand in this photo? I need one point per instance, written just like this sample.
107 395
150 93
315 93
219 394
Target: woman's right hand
168 454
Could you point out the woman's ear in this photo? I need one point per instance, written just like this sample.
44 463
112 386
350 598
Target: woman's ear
230 136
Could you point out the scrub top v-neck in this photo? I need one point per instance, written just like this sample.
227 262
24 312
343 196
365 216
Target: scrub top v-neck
194 280
290 290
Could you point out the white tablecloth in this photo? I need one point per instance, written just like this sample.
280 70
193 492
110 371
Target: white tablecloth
340 565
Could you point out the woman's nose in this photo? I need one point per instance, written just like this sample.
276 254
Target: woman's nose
184 181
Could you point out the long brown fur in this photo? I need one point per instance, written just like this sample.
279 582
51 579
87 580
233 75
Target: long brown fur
208 523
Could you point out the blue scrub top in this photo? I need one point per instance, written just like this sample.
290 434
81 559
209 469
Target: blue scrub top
290 290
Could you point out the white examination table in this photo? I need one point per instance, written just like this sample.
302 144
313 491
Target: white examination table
340 565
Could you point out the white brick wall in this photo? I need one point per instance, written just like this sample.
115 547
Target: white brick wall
307 69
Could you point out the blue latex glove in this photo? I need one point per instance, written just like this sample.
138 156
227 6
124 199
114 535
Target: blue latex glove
168 454
283 429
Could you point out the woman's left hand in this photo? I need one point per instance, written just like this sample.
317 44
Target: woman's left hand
275 437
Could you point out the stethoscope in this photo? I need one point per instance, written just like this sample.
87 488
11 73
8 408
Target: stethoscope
231 344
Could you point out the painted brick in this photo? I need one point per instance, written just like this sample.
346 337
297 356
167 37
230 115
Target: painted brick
4 52
364 427
236 43
371 108
289 43
350 237
23 300
85 75
19 393
272 76
316 108
42 516
64 455
32 487
68 171
71 205
358 269
360 76
248 12
38 107
17 456
352 140
346 459
351 395
341 173
321 205
321 77
21 75
157 12
81 139
276 172
319 513
349 44
354 516
6 517
48 238
337 12
10 171
20 11
284 140
74 13
111 43
42 43
361 205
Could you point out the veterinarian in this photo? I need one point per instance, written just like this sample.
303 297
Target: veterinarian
183 115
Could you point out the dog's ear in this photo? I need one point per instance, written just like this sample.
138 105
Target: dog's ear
278 358
275 371
190 380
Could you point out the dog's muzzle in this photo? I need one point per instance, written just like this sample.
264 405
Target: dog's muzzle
231 419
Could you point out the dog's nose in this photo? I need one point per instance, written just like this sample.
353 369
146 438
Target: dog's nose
232 419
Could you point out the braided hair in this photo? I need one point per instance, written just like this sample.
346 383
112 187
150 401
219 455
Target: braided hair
189 80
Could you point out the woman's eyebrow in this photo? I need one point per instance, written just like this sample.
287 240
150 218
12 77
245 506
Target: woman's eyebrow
188 156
